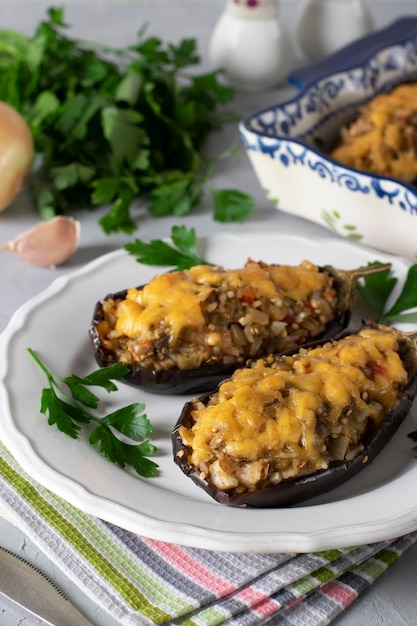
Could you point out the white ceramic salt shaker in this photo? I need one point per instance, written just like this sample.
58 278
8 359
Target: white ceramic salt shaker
323 26
251 45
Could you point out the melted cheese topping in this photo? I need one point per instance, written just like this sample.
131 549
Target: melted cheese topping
383 137
208 315
170 298
175 299
294 416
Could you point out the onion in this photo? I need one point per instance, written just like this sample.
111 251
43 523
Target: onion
16 153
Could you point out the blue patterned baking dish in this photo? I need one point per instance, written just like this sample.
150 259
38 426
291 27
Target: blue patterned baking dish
288 143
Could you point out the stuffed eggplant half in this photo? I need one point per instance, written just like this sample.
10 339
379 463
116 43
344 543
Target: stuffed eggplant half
293 427
186 331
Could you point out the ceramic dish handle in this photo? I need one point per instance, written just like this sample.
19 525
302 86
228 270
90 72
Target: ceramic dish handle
356 53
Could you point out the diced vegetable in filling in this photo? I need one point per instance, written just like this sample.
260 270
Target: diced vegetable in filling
291 416
210 315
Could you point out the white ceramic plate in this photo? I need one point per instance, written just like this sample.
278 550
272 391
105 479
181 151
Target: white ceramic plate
380 502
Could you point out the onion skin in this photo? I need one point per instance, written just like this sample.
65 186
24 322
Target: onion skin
294 491
207 377
16 153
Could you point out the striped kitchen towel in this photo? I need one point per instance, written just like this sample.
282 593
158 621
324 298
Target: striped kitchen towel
141 581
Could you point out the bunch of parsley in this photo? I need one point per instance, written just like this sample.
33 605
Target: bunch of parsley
112 124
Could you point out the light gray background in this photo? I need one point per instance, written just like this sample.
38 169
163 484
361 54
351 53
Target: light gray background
392 600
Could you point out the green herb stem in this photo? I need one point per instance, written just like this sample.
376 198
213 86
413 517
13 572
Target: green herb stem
41 365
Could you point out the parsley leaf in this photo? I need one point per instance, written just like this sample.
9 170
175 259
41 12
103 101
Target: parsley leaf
182 255
64 402
406 300
231 205
377 288
112 124
176 195
123 454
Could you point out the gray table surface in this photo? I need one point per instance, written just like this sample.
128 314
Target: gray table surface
392 600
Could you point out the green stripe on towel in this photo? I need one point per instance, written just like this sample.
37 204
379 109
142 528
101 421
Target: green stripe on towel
121 584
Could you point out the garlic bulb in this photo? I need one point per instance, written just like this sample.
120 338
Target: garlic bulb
47 244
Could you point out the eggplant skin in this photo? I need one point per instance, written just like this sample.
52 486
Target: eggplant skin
295 491
205 378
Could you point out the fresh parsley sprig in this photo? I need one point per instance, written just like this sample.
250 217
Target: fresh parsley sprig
67 402
377 288
182 255
231 205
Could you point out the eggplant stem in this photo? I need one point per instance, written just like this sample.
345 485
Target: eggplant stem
365 270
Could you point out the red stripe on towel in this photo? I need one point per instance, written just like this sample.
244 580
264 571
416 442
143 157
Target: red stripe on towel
184 562
257 600
339 592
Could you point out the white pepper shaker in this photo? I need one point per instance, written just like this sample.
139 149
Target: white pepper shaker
251 45
324 26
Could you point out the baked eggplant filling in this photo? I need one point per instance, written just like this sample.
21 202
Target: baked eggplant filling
383 138
208 315
292 416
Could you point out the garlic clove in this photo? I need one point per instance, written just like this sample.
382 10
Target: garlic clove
47 244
